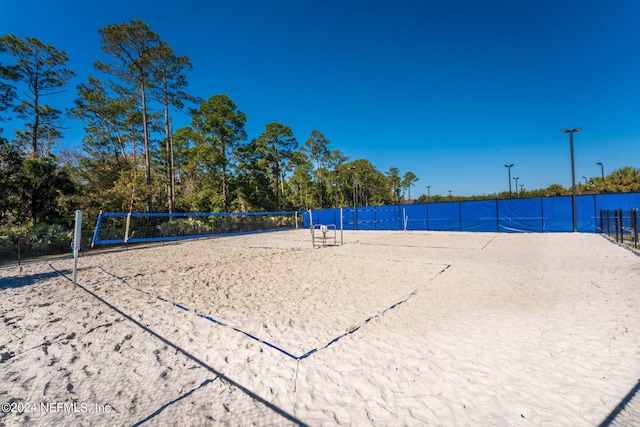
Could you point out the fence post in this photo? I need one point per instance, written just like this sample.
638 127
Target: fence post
601 222
355 217
426 223
375 217
595 212
634 226
611 217
618 224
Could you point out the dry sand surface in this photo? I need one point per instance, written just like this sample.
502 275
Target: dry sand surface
391 328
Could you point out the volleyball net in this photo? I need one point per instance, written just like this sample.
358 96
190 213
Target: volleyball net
121 228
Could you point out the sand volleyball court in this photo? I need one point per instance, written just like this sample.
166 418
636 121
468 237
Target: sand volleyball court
391 328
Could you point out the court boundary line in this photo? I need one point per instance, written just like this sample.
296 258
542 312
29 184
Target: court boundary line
267 343
219 375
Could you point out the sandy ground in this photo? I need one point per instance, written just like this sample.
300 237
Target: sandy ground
391 328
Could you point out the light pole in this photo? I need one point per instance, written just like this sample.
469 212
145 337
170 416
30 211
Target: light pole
353 188
449 193
509 167
601 170
516 180
521 189
428 194
573 177
585 179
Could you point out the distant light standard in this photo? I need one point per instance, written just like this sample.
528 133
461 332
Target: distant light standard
509 167
585 179
573 177
601 170
353 186
516 180
449 193
428 194
521 189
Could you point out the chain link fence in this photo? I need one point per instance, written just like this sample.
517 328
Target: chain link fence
621 225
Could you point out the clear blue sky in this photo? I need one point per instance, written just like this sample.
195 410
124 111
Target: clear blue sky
450 90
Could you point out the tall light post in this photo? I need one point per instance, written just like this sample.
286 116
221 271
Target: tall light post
601 170
449 193
516 180
585 179
428 194
573 177
509 167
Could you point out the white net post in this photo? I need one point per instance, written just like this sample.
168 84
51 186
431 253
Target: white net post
405 217
126 228
77 240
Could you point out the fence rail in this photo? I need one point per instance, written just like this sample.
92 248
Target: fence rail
621 225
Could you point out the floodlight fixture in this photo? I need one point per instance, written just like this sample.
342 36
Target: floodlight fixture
509 166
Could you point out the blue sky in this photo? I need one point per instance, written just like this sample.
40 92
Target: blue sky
450 90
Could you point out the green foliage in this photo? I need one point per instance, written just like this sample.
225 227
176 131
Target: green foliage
317 148
136 51
408 180
134 161
11 166
275 146
40 69
623 180
7 96
394 181
205 200
33 187
109 126
219 125
42 239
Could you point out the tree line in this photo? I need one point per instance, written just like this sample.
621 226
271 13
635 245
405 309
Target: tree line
132 158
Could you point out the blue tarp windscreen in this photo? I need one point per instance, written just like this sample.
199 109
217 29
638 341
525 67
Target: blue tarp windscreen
366 218
443 216
550 214
586 214
305 219
348 218
389 218
478 215
554 211
519 215
609 202
417 216
326 217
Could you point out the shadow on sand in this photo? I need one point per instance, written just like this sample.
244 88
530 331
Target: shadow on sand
625 412
277 412
20 281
